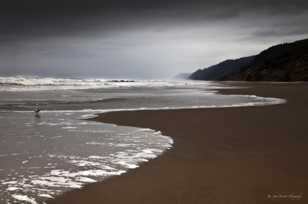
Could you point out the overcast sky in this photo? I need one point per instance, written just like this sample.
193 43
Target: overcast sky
140 38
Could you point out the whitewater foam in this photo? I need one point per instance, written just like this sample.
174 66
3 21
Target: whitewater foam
34 83
24 198
36 187
103 150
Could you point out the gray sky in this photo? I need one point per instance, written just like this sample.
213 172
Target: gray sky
140 39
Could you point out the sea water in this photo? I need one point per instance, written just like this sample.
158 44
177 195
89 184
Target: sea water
58 150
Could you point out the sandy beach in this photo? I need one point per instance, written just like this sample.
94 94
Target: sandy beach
248 155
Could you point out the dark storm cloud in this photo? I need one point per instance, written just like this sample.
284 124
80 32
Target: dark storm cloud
53 17
140 38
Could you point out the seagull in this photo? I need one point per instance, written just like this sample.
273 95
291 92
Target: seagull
37 111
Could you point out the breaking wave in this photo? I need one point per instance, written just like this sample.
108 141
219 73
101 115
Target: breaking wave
34 83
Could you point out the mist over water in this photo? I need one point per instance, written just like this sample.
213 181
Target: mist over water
58 150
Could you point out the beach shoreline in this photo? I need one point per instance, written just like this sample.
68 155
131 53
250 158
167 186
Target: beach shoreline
220 155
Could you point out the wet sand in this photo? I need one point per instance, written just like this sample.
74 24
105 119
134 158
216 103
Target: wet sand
249 155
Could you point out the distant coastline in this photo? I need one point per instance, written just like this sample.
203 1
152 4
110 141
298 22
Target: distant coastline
284 62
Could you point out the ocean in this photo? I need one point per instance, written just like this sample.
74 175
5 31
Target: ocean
58 150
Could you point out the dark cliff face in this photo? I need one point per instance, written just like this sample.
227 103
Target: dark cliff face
222 70
284 62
